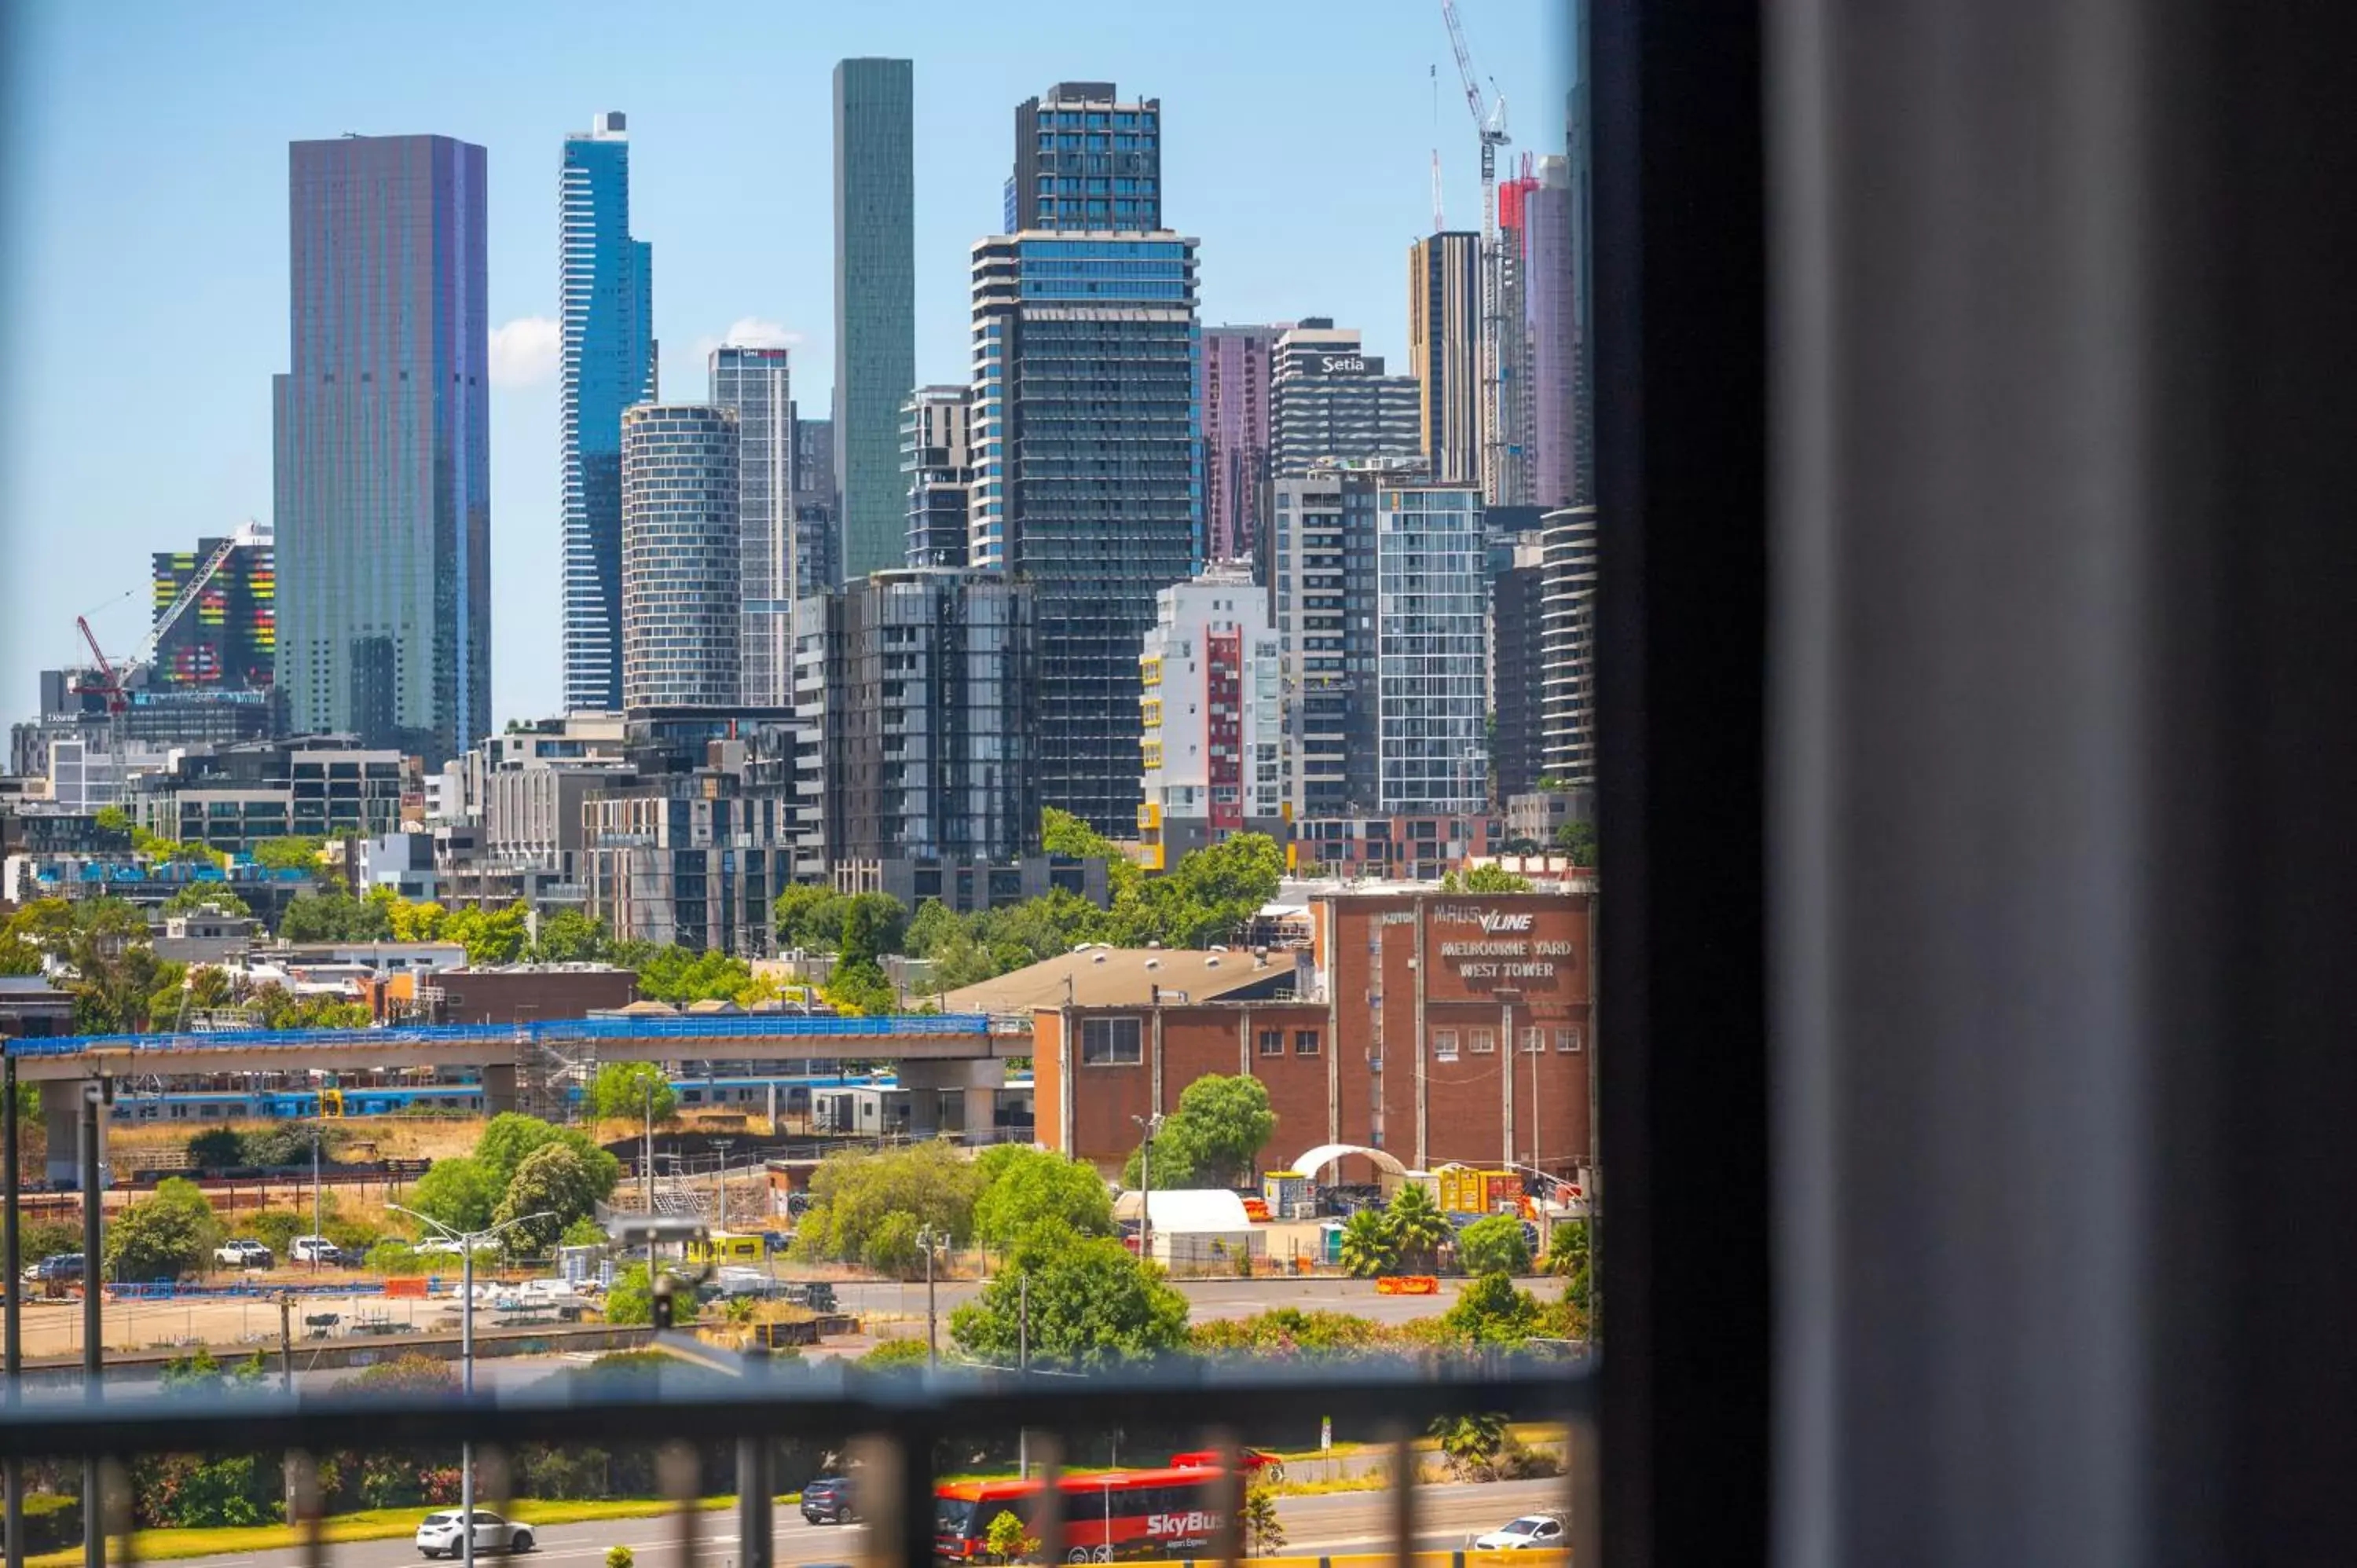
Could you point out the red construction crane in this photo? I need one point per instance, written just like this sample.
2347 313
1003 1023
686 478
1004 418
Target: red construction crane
107 683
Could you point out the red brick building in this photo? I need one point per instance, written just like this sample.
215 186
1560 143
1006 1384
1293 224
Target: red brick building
1435 1027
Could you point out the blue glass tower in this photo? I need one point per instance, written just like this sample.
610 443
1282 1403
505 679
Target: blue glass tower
382 431
875 304
607 289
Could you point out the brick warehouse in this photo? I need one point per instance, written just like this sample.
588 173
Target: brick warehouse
1435 1027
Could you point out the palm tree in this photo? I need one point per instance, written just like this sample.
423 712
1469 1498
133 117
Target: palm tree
1368 1246
1471 1443
1417 1226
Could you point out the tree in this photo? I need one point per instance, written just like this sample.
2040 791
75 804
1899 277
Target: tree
858 989
809 918
902 1355
571 937
557 1183
1471 1443
1213 1137
205 895
1264 1532
490 936
583 1232
293 853
1577 840
113 820
217 1148
163 1236
1368 1246
621 1090
631 1298
1496 1245
873 924
1061 833
1023 1186
460 1192
1486 879
1093 1305
1007 1540
932 928
507 1139
1418 1228
680 975
1490 1311
867 1208
421 922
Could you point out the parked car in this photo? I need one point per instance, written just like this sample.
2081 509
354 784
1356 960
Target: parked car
1530 1530
437 1535
314 1250
244 1253
827 1500
56 1266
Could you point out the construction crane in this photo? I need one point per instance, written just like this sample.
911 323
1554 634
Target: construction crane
1490 123
1437 223
188 596
107 683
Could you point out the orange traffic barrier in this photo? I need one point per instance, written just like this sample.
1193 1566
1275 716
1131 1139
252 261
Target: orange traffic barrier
412 1288
1407 1284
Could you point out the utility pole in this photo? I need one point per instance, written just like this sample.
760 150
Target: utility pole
1151 1124
287 1343
1023 1367
315 1191
927 1240
93 1333
13 1261
722 1144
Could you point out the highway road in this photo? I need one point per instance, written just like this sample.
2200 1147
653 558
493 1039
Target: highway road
1448 1517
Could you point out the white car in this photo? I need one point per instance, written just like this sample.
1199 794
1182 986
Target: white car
242 1254
438 1535
314 1250
1514 1535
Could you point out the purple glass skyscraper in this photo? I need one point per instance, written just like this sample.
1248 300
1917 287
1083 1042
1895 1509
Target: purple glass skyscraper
1549 283
1236 391
382 437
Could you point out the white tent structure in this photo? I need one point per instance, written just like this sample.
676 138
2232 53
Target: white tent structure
1314 1163
1189 1222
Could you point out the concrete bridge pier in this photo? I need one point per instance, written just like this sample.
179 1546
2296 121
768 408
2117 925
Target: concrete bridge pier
499 1088
979 1080
61 1119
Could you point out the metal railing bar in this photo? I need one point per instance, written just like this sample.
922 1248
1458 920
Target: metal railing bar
912 1405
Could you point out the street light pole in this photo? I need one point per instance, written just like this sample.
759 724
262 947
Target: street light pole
315 1187
1023 1368
467 1241
929 1240
1153 1124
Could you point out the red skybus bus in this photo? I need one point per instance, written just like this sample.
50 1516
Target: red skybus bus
1115 1514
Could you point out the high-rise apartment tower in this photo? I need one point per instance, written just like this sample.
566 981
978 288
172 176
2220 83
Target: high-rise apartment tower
605 289
381 430
875 304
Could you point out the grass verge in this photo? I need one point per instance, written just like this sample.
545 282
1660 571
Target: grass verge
371 1524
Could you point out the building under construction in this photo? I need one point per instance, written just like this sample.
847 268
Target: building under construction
216 621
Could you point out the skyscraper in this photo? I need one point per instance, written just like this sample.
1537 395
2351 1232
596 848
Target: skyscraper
1508 480
1379 595
607 285
936 458
1085 161
1097 501
818 553
875 304
1549 285
1567 645
754 382
681 602
222 601
1212 749
383 437
1332 403
1443 345
1235 435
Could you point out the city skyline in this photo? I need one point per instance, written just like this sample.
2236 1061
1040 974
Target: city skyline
691 147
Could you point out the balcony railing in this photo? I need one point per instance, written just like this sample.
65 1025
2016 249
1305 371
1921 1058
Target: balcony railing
893 1426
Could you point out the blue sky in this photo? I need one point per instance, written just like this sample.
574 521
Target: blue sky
144 274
